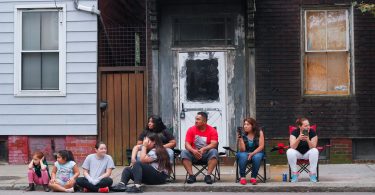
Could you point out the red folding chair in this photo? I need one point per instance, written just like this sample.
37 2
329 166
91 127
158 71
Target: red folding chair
302 163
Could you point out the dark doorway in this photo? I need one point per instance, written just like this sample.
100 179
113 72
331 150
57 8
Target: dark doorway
4 148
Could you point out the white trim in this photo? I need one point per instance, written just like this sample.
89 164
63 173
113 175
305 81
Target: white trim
349 49
18 9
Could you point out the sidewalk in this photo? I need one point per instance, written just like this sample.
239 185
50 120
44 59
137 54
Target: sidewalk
333 178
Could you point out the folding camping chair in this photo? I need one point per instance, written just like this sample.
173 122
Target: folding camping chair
249 166
303 163
201 166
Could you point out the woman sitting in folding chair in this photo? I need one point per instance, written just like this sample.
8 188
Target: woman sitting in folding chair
251 148
303 142
154 125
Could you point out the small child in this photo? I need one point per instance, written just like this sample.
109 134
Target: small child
64 173
38 172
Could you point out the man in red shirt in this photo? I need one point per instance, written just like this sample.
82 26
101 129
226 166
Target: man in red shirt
201 145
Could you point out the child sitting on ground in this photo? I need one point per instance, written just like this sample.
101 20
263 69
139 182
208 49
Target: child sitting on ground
38 172
64 173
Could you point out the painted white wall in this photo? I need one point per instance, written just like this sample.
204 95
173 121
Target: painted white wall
73 114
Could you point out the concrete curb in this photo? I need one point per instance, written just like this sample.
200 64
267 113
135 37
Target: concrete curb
233 187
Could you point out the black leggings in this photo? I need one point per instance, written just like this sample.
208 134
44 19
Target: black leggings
84 183
143 173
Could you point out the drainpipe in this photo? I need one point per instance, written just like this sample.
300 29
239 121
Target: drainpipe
92 9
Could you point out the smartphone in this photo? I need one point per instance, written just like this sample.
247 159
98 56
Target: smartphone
305 132
239 132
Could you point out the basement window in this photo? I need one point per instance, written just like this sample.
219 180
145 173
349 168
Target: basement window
363 149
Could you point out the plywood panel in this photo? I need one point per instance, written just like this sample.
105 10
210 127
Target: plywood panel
338 72
336 30
316 30
316 72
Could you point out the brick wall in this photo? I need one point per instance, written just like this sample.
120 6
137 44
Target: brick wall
81 146
46 144
18 149
341 151
21 148
278 74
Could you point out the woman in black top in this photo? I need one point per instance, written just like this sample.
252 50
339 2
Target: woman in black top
303 142
154 125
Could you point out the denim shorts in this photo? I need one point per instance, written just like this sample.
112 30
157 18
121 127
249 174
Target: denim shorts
212 153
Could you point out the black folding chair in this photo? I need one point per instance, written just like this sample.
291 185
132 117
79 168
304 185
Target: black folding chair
249 167
201 166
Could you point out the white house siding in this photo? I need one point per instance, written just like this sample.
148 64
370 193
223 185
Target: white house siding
73 114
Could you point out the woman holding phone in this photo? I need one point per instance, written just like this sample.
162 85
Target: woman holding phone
251 148
303 142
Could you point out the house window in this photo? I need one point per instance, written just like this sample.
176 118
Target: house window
327 52
40 51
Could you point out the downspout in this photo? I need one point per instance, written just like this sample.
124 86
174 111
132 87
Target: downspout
92 9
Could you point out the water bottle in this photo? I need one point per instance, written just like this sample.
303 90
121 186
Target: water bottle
285 176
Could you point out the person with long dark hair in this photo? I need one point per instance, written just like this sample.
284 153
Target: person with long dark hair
154 125
153 168
303 142
64 173
251 148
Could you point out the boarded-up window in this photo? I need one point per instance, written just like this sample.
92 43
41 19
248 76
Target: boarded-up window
327 53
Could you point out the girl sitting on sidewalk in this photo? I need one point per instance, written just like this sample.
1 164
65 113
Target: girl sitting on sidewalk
97 168
153 168
64 173
38 172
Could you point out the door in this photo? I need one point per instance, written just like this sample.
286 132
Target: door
124 116
202 87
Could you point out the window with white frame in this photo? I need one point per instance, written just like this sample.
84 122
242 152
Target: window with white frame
40 50
327 52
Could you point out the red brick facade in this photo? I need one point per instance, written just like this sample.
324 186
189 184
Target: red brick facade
341 150
81 146
22 147
18 147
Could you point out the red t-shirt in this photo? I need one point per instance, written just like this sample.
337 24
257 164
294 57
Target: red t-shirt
199 139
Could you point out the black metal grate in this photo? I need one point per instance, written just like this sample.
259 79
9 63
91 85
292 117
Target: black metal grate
122 46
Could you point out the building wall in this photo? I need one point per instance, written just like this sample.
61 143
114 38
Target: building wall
236 69
21 148
278 79
73 114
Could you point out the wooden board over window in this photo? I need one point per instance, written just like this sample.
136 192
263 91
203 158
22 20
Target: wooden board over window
327 54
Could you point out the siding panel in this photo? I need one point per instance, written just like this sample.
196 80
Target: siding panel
6 37
40 109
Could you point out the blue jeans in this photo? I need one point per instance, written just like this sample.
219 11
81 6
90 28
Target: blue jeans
255 160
